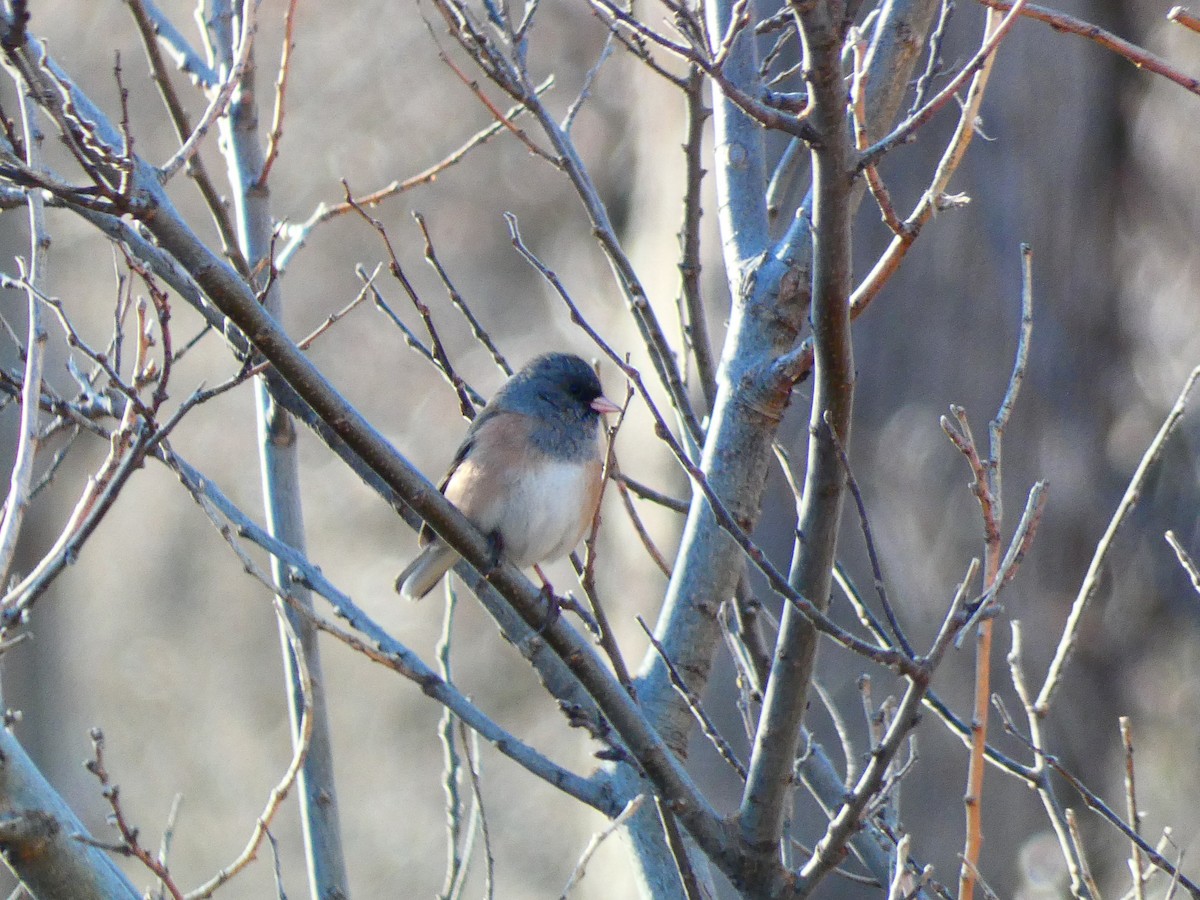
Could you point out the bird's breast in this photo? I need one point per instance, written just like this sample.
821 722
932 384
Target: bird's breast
547 510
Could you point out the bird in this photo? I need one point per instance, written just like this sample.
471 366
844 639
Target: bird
529 471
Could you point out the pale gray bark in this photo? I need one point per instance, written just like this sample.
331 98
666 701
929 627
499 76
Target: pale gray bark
279 461
42 840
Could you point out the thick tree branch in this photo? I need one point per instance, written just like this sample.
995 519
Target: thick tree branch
40 836
280 468
767 792
752 391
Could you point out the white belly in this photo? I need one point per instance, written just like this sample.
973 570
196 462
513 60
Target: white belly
540 519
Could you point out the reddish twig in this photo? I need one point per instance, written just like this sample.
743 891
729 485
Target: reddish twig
129 846
331 320
1181 16
298 234
279 793
495 111
858 108
1139 56
996 572
285 60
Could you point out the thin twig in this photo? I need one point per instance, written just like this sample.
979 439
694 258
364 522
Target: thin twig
1077 840
285 66
456 299
872 552
997 571
858 108
645 492
722 746
452 764
1021 359
624 491
598 838
933 64
185 57
379 646
1132 813
1139 56
21 475
904 132
1038 775
496 113
470 742
587 568
222 97
297 235
585 90
1185 560
1091 580
650 329
798 363
1022 540
847 820
414 342
441 357
130 845
695 325
695 52
279 793
168 835
678 849
1181 16
845 739
330 320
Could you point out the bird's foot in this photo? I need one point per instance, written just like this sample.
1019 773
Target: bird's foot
554 605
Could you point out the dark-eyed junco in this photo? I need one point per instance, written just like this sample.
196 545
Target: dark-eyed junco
528 471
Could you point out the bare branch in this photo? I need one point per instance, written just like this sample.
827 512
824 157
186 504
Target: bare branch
285 60
1185 560
380 646
1182 16
1140 57
297 235
1091 579
904 132
34 276
598 838
221 98
280 791
1132 813
129 845
714 736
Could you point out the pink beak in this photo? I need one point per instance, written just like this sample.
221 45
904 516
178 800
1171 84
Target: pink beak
603 405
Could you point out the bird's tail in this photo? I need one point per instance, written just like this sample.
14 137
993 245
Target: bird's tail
424 572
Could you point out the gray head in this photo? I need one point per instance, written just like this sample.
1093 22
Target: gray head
562 392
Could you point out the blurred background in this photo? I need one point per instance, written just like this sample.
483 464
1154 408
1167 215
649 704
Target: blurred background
157 636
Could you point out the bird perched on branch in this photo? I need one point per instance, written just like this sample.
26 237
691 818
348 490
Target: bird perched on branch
528 473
